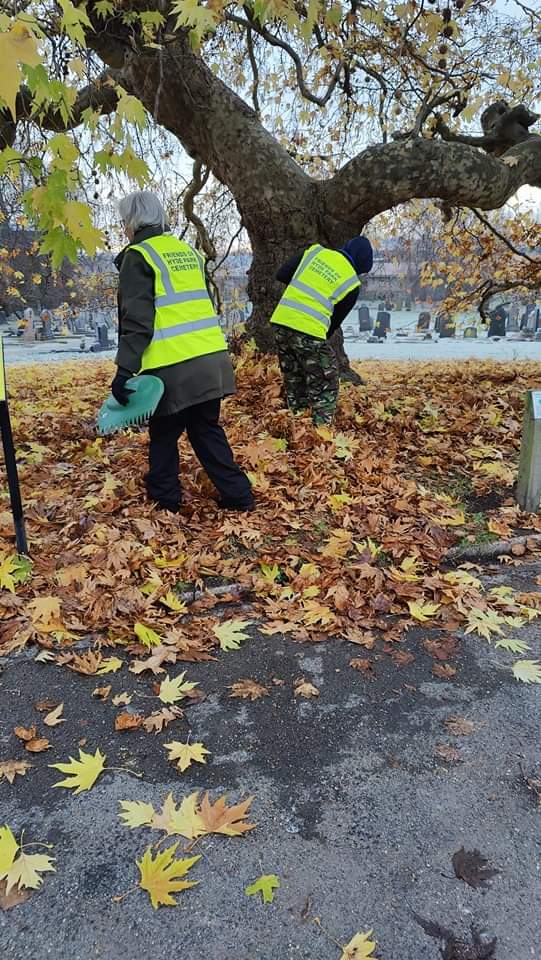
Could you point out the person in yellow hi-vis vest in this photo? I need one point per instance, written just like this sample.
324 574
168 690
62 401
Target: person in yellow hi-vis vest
168 327
322 287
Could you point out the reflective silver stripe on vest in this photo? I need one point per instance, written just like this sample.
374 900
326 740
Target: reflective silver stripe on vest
304 263
158 262
299 285
169 299
345 287
171 296
166 333
303 308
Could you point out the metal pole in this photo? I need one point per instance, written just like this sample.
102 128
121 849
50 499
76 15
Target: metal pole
11 461
528 494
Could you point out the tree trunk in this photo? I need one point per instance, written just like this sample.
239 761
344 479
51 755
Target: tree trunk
282 208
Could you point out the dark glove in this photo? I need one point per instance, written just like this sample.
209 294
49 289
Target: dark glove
118 389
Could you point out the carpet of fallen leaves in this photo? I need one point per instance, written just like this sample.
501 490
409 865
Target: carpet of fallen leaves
347 540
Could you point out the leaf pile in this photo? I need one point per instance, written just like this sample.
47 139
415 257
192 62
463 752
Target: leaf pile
347 539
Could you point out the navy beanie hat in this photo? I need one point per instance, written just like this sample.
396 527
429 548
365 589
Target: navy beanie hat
359 251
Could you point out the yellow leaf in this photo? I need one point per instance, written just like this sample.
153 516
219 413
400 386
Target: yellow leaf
270 572
26 869
163 562
176 689
361 947
172 601
265 885
7 568
148 637
186 753
422 611
160 875
16 46
484 622
185 821
230 633
109 665
53 718
135 813
8 849
83 772
44 611
529 671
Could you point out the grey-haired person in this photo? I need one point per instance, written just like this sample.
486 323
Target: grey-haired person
168 327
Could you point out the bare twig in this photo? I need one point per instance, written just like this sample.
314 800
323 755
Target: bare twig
199 179
275 41
255 69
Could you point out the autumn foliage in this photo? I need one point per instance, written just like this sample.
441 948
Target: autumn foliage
347 541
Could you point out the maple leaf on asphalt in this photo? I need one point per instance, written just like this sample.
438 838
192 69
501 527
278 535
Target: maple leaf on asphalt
153 663
248 690
219 818
37 745
471 867
175 689
121 699
484 623
529 671
161 718
230 633
13 768
459 726
443 670
128 721
26 869
266 884
186 753
83 772
135 813
446 752
53 718
305 689
160 875
360 947
185 820
513 646
8 850
14 898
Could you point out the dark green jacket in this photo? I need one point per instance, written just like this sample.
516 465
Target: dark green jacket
187 383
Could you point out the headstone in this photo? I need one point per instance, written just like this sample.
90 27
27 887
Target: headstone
381 306
423 321
29 334
103 336
512 322
388 305
447 328
365 322
470 333
47 325
382 324
528 493
407 304
498 321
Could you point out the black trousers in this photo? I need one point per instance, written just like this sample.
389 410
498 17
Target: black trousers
211 447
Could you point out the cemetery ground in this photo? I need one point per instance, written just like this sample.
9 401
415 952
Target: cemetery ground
359 685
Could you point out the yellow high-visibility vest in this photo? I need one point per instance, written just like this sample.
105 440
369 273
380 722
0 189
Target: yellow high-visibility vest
322 278
185 321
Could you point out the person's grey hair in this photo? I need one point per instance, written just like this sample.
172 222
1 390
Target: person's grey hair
141 209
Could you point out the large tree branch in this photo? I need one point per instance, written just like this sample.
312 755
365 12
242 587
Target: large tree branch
386 175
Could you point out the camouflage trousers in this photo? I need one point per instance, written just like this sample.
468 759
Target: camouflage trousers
310 373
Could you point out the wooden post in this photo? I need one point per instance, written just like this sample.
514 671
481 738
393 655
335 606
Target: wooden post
528 493
11 461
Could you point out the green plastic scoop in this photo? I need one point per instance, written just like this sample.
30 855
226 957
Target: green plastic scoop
146 391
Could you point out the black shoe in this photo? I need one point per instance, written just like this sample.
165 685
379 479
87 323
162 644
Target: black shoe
243 506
